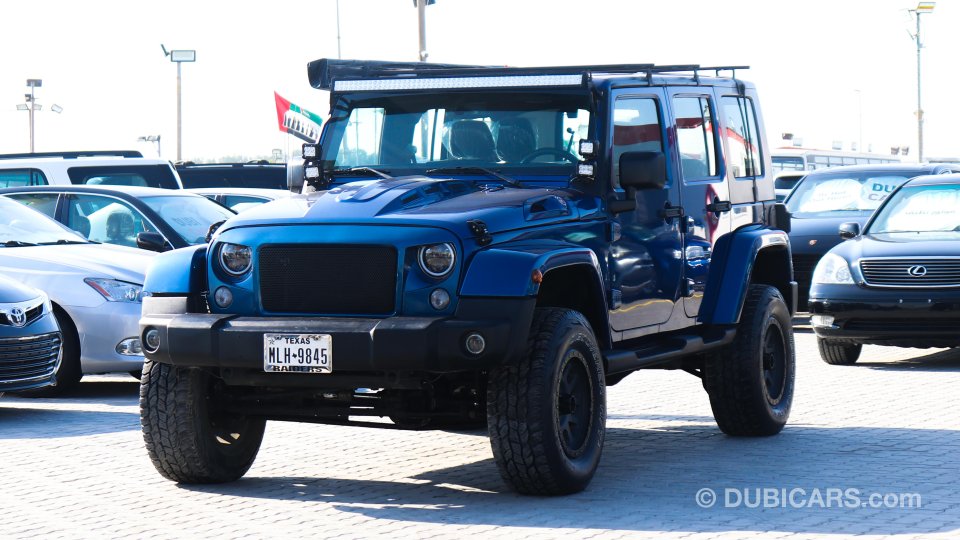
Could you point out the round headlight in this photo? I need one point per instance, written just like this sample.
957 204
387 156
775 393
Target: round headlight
437 260
235 259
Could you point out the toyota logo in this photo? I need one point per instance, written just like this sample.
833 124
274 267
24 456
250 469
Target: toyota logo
18 317
917 271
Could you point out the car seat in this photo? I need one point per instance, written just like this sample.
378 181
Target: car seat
471 139
516 139
120 229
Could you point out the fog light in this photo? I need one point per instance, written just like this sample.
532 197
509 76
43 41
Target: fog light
130 347
439 299
151 340
821 321
475 343
223 297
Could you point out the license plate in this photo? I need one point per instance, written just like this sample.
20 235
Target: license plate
298 353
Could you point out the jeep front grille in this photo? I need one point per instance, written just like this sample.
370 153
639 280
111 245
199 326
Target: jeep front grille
27 358
328 279
913 272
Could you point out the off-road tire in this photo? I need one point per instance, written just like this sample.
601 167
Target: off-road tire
69 371
751 381
839 353
188 440
546 414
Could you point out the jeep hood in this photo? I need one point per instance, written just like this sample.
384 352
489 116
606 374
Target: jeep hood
424 201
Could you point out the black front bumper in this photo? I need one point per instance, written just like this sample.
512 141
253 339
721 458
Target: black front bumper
908 318
360 345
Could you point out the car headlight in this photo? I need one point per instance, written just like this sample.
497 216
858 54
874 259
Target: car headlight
437 260
832 270
235 259
115 290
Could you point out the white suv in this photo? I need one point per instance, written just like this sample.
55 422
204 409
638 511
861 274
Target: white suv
102 167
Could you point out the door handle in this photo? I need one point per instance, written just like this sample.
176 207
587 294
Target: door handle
669 212
718 206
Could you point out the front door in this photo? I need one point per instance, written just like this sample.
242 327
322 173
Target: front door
646 256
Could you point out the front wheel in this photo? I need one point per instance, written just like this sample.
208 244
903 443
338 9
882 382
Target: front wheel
547 414
839 353
187 437
751 381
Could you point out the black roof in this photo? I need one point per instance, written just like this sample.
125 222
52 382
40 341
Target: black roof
129 193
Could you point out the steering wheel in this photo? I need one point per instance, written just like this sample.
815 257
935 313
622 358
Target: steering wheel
559 152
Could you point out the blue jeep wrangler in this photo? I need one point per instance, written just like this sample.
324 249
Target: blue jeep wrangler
482 245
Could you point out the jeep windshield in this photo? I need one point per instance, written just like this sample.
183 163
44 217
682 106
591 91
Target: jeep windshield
517 135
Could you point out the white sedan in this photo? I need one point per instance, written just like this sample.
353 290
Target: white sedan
95 290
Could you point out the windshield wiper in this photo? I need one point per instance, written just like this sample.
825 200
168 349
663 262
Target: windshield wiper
17 243
488 172
63 241
359 170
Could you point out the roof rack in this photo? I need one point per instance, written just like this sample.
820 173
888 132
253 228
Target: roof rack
322 73
75 155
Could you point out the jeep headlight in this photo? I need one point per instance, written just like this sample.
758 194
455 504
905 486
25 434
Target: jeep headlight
115 290
832 270
437 260
235 259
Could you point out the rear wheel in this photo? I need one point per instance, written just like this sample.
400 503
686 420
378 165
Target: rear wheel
839 353
189 439
546 415
751 381
69 371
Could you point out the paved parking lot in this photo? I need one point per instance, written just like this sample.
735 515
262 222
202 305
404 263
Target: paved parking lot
883 433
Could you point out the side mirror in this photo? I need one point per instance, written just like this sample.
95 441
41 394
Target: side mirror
643 170
151 241
295 176
849 230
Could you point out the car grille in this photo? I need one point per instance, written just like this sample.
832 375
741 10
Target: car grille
328 279
32 314
27 358
908 273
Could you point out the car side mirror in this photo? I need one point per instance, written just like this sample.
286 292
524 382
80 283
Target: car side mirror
849 230
151 241
295 176
643 170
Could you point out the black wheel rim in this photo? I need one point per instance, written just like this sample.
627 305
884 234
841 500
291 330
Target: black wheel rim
574 405
774 355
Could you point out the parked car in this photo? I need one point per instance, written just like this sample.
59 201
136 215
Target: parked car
102 167
148 218
497 271
825 198
240 199
896 282
95 290
784 182
30 339
252 174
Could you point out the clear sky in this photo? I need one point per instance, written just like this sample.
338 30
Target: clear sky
826 70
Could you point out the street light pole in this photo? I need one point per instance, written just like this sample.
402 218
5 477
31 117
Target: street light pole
422 15
180 56
31 102
922 7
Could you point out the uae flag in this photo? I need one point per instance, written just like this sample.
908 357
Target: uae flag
296 121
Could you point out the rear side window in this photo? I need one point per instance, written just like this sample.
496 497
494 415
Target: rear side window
159 176
252 177
22 177
743 139
696 137
45 203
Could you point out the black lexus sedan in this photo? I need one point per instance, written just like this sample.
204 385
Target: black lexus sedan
896 282
825 198
30 338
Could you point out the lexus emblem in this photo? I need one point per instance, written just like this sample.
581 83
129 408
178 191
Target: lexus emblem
18 317
917 271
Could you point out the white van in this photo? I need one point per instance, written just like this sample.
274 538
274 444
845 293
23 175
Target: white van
101 167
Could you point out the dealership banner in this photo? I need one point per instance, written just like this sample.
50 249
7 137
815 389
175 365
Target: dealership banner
296 121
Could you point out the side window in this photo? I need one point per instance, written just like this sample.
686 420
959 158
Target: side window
636 128
232 201
105 219
22 177
696 137
45 203
743 139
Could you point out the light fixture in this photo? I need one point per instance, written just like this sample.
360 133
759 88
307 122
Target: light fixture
56 108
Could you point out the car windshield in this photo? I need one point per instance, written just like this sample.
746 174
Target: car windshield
21 226
921 209
406 134
159 176
190 217
844 192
